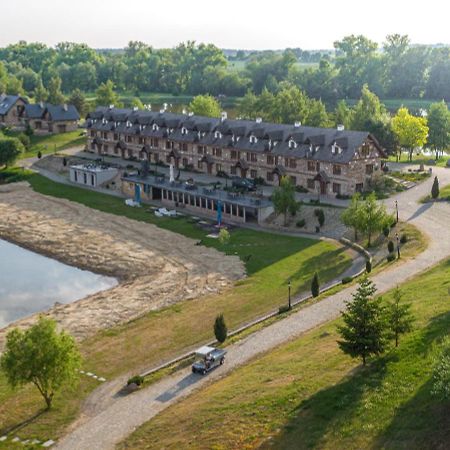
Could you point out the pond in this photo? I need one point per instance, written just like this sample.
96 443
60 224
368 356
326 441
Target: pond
30 282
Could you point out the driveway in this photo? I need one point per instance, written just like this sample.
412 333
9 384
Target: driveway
104 429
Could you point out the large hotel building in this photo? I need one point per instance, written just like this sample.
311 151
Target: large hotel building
322 160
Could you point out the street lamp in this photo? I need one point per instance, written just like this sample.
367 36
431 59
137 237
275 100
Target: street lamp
289 294
396 208
398 245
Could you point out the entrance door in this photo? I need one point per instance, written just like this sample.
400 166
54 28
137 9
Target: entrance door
323 188
209 166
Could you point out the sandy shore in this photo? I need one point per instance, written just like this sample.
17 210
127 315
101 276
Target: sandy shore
155 267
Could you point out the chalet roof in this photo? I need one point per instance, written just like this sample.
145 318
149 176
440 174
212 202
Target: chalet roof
8 101
57 113
322 144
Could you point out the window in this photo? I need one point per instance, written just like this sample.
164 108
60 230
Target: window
253 173
116 137
92 146
185 162
168 146
116 151
292 163
92 180
130 153
156 157
311 166
365 150
183 147
318 167
359 187
199 165
369 169
336 170
105 135
234 154
129 139
336 188
251 157
84 178
218 167
310 183
233 170
168 159
155 142
269 176
92 133
200 149
141 140
270 160
75 174
105 148
293 180
217 152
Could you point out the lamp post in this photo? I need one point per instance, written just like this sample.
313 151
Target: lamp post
289 294
396 208
398 245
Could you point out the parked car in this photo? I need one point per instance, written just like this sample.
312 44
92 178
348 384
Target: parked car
207 359
243 183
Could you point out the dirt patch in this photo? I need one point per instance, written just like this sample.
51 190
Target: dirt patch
155 267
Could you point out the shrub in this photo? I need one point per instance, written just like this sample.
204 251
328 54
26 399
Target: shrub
138 380
26 141
314 201
404 238
301 223
224 236
368 266
64 161
441 372
301 189
390 246
346 280
391 257
39 154
222 174
320 216
259 181
386 231
220 328
435 189
315 287
283 308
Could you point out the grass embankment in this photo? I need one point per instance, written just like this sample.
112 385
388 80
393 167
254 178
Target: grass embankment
308 394
162 334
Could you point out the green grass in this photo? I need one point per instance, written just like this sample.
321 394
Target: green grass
420 158
14 174
308 395
159 335
393 104
416 177
444 194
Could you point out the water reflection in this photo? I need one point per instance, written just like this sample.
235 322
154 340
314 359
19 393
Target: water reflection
30 282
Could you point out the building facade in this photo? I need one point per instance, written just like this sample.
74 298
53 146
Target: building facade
48 118
11 110
322 160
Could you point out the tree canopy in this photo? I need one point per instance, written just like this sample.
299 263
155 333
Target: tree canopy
205 105
10 150
283 198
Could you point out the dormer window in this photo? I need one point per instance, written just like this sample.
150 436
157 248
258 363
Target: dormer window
128 124
155 127
184 131
292 143
218 135
104 121
253 139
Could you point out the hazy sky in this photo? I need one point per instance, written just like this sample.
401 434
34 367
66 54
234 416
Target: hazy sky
260 24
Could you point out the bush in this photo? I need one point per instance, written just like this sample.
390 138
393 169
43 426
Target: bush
26 141
391 257
386 231
368 266
39 154
222 174
283 308
259 181
220 328
301 223
390 246
314 201
301 189
138 380
346 280
435 189
320 216
343 197
224 236
403 239
315 287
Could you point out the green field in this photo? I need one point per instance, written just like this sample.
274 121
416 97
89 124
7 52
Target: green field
308 395
393 104
162 334
420 158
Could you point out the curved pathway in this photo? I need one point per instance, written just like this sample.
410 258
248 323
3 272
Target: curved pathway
104 429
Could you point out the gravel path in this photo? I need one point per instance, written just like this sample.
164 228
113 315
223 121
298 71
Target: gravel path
103 430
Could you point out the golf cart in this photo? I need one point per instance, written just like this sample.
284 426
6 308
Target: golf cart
207 359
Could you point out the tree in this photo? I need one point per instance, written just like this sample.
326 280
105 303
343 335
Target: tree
399 314
364 330
205 105
106 95
410 131
441 372
136 103
224 236
78 99
351 217
283 198
10 149
40 94
372 217
320 216
220 329
435 189
439 127
42 356
315 285
55 95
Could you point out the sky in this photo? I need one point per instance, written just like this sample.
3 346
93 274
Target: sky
314 24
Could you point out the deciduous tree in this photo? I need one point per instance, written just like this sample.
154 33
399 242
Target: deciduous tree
283 198
205 105
400 318
439 127
10 150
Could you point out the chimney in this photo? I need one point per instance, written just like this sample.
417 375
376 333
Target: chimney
297 124
340 127
258 120
223 116
65 108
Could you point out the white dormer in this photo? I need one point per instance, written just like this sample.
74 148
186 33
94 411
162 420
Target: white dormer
184 131
104 121
253 139
259 120
217 134
334 148
297 124
292 143
128 124
155 127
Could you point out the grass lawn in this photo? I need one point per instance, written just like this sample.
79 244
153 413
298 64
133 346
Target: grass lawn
419 159
55 142
159 335
307 394
416 177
